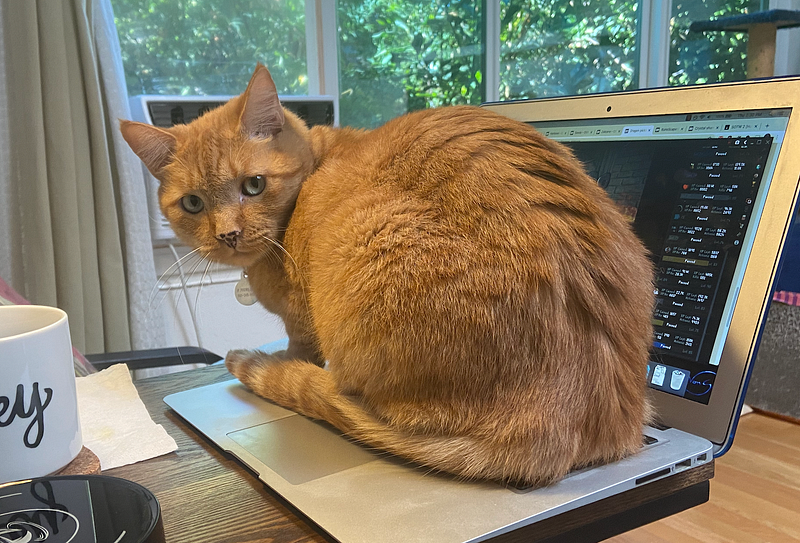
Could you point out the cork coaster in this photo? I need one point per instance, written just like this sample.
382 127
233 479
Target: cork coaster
86 463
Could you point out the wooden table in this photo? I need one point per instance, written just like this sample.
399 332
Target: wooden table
208 496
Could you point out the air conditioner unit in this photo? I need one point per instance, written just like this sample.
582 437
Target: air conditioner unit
166 111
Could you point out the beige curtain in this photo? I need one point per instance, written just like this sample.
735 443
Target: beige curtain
79 197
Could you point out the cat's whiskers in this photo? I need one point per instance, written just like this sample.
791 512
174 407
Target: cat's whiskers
183 279
163 291
303 282
168 274
179 262
202 282
194 259
204 257
277 244
184 290
195 266
269 253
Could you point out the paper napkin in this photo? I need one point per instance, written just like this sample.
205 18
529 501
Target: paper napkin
115 423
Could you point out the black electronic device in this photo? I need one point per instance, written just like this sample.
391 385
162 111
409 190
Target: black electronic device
87 508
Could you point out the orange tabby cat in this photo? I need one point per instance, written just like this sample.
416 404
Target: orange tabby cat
483 306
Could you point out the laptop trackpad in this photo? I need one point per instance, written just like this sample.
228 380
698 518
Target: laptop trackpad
300 449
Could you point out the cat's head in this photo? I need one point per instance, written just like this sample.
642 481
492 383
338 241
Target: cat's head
229 179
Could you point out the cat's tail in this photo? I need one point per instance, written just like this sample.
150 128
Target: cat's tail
311 391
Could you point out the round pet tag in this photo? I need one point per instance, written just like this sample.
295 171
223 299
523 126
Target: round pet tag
243 292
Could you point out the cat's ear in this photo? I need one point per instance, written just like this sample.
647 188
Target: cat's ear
262 115
155 146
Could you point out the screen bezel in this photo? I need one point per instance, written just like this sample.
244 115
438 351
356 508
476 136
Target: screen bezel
716 420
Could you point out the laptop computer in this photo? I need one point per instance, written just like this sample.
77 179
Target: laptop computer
707 179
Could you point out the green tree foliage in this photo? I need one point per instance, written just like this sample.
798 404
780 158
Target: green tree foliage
402 56
557 47
210 46
707 57
397 56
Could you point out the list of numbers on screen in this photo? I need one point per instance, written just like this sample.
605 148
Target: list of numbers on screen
715 193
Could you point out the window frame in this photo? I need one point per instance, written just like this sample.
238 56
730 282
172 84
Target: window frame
323 59
653 50
322 48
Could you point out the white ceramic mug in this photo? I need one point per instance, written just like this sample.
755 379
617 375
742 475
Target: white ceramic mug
39 427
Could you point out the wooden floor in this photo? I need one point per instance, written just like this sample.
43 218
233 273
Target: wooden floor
755 494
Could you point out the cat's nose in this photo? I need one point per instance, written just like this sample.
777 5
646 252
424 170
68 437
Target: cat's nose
230 239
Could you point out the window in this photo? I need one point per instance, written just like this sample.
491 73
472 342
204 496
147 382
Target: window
402 56
210 46
696 57
556 47
396 57
383 58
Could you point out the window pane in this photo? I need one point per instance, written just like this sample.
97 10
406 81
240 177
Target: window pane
396 57
707 57
210 46
565 47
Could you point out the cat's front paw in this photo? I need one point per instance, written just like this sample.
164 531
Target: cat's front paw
236 361
244 364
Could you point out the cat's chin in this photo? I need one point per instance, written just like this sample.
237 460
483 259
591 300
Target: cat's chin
241 259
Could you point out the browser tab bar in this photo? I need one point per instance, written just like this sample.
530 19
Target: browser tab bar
638 130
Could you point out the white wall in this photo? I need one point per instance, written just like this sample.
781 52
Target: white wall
223 322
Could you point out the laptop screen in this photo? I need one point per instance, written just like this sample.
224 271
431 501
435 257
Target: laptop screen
693 187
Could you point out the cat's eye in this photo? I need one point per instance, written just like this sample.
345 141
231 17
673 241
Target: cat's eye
253 186
192 203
